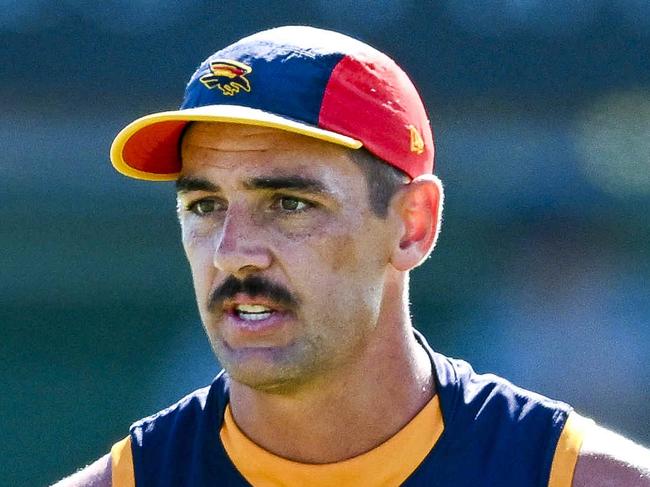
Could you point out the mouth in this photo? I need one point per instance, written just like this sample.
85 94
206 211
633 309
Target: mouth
254 323
252 312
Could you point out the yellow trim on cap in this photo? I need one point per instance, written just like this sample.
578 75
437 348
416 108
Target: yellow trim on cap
216 113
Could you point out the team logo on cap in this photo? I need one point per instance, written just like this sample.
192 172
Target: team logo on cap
229 76
417 144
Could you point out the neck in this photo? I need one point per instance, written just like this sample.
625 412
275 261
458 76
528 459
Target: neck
354 410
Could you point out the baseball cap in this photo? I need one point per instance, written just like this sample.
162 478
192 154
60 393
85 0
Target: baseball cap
305 80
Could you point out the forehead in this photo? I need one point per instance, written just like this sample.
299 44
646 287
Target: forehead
244 149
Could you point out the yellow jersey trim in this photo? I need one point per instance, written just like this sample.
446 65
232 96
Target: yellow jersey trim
122 474
389 464
568 449
216 113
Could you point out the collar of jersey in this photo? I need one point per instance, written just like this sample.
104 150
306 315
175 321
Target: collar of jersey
390 463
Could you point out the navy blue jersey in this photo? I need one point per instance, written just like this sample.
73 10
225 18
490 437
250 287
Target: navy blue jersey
495 434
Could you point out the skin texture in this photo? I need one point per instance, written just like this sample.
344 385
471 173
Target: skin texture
610 460
97 474
345 346
341 350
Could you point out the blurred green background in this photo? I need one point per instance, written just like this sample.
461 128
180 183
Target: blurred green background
541 111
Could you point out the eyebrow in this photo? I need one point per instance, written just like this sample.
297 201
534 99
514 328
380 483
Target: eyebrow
187 184
296 183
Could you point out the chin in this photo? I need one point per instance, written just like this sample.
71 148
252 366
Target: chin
271 381
276 370
269 385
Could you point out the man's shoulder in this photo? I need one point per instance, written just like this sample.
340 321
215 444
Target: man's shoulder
609 459
477 395
97 474
604 458
184 410
178 414
483 396
194 400
489 422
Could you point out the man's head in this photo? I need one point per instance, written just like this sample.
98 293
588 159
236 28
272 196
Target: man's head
293 266
303 162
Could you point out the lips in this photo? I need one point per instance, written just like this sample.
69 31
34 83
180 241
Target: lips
254 315
252 312
253 290
253 322
251 307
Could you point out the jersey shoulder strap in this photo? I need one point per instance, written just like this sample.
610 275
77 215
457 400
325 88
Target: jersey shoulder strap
495 433
180 446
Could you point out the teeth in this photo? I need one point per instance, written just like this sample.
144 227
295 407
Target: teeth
254 316
253 312
252 308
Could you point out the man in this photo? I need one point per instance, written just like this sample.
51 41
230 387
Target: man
303 164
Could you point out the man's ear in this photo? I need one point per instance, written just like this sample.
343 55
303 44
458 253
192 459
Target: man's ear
418 207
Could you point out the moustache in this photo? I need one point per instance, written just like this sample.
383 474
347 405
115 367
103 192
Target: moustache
254 286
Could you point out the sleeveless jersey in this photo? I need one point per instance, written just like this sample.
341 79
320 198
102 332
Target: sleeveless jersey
495 434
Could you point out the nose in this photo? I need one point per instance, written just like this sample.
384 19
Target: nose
241 248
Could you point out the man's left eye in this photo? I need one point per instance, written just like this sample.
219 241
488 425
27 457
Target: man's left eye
287 203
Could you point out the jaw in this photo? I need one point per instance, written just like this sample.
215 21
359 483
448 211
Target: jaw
277 369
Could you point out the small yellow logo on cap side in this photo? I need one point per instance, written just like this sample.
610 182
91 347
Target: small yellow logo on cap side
417 144
227 75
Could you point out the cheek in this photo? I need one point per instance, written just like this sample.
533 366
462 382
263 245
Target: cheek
353 269
356 249
339 253
312 243
199 252
344 289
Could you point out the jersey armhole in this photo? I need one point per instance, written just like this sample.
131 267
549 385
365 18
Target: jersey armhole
568 449
122 464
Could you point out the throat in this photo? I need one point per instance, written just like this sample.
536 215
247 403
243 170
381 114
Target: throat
337 420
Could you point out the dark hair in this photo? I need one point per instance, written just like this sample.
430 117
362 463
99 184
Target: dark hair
382 179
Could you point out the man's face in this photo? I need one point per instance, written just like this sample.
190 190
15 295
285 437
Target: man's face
288 260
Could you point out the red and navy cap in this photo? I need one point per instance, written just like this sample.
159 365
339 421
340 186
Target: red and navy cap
310 81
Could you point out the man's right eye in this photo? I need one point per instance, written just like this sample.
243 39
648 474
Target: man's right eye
202 207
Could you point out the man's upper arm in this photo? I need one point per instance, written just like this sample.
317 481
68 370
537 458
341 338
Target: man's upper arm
607 459
97 474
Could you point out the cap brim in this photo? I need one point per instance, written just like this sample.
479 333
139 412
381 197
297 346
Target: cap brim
148 148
